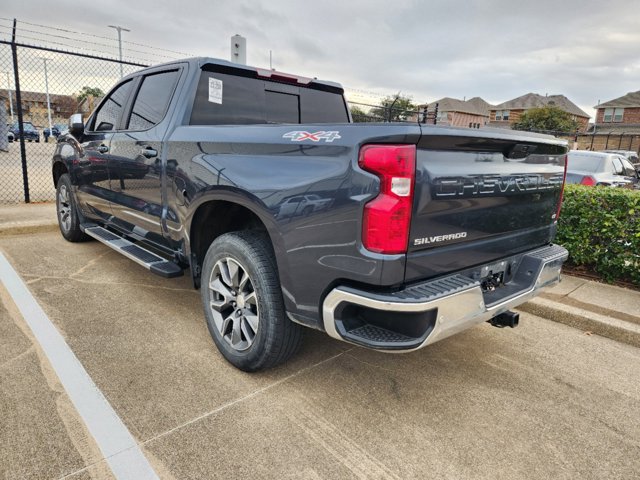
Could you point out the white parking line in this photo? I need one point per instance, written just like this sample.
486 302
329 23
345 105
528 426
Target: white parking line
116 443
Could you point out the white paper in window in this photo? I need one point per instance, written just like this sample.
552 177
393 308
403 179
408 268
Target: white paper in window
215 90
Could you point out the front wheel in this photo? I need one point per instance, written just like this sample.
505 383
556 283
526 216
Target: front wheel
67 211
243 302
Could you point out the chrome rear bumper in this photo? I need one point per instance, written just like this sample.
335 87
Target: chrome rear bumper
443 307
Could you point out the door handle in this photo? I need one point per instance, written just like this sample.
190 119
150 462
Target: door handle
103 149
149 152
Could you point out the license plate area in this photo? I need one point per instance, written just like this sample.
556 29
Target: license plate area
493 276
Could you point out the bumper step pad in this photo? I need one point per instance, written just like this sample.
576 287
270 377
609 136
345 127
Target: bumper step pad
149 260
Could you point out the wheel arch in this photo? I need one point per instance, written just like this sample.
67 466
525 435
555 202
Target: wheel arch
216 215
57 170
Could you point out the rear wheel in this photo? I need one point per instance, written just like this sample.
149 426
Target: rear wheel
66 208
243 302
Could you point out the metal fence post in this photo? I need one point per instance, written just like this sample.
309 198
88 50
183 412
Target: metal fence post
23 151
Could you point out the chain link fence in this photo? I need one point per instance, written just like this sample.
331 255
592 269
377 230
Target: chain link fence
49 73
42 86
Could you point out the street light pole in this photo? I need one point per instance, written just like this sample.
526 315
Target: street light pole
120 30
46 86
10 96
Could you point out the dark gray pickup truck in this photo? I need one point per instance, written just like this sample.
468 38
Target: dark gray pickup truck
388 236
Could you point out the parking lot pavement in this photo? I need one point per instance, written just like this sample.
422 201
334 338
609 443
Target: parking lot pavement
38 169
543 400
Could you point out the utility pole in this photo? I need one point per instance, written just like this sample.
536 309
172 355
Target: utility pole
10 96
120 30
46 86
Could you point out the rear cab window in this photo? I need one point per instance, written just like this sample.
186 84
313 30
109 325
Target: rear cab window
242 98
584 163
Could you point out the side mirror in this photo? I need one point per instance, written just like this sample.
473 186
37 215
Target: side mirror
76 127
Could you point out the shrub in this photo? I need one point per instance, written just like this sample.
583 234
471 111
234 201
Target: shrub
601 229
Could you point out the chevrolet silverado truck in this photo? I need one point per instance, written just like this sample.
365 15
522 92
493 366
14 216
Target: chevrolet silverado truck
416 231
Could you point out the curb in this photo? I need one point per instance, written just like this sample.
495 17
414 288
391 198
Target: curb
22 229
613 328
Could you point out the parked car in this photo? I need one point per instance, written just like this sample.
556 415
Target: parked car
30 132
629 155
427 231
600 169
57 129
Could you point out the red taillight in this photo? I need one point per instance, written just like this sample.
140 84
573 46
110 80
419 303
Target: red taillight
387 218
588 180
564 180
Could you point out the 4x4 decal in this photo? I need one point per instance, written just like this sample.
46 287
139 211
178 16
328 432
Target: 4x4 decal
300 136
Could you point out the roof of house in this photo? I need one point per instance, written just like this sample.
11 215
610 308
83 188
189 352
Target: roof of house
615 129
631 99
448 104
481 105
534 100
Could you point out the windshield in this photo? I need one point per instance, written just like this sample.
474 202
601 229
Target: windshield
26 126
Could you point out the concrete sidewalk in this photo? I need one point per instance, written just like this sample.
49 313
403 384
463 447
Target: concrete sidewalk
27 218
593 307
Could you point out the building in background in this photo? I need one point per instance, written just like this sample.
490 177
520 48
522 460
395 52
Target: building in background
619 116
507 113
472 113
34 107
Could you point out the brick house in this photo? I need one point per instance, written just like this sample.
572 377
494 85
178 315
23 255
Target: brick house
508 113
473 113
34 106
621 115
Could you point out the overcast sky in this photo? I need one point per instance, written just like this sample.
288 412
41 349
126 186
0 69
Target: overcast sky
497 49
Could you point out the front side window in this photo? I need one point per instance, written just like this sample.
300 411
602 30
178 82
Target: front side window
152 100
617 166
629 171
108 115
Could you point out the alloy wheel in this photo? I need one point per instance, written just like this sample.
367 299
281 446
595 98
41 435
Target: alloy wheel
233 303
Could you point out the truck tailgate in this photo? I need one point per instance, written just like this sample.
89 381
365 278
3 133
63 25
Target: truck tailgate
480 196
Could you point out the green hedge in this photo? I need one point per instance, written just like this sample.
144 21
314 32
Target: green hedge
600 227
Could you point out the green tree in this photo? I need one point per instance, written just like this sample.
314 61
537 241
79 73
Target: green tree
89 91
549 118
359 115
396 108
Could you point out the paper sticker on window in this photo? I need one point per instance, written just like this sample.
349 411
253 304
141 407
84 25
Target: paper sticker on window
215 90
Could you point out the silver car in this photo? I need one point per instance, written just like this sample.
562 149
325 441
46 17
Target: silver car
600 168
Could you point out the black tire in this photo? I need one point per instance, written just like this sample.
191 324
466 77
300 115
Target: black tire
37 140
260 336
67 211
307 210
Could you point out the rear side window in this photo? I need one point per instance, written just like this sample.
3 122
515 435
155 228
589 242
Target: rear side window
108 115
152 100
224 99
